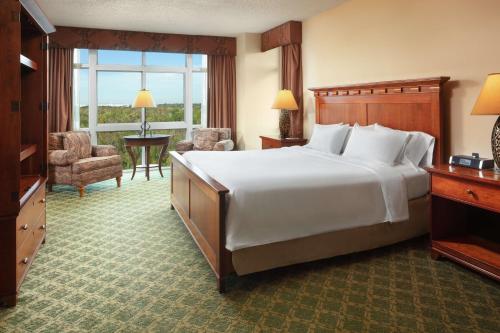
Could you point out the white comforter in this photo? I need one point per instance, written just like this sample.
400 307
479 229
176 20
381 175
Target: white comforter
282 194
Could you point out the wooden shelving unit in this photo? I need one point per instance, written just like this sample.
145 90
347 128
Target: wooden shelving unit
27 63
24 132
27 151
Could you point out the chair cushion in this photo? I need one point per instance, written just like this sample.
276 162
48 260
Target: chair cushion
224 134
79 142
205 139
56 141
95 163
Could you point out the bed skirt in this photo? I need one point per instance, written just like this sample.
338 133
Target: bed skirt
336 243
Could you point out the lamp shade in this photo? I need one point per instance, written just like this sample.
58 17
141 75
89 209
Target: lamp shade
285 100
144 99
488 101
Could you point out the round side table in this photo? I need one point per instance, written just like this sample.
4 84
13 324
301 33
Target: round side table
147 141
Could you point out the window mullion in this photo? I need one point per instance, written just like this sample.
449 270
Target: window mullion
188 98
93 95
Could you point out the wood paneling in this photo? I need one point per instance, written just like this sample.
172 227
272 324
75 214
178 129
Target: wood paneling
410 105
69 37
287 33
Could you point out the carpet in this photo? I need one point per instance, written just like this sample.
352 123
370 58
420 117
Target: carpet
119 260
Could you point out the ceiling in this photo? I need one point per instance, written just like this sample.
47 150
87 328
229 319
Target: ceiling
197 17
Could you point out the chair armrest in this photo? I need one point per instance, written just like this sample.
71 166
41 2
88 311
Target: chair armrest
62 157
104 150
184 145
224 145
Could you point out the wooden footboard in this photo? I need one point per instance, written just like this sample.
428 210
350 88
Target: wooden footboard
200 202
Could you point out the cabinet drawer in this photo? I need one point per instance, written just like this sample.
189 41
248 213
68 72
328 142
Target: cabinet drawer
481 195
24 256
39 229
29 215
268 144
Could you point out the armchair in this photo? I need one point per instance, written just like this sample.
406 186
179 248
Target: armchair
73 160
216 139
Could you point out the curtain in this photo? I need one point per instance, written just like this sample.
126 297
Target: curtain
222 92
60 89
291 78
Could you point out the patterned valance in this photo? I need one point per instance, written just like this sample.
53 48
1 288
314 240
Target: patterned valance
85 38
285 34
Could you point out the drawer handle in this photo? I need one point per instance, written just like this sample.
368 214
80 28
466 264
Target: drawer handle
43 226
43 200
25 227
25 260
469 191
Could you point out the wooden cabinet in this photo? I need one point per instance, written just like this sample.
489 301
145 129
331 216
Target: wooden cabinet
269 142
466 217
23 140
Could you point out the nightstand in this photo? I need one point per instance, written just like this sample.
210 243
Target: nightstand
465 224
276 142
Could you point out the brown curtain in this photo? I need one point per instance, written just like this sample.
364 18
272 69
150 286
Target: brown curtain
60 89
291 78
222 92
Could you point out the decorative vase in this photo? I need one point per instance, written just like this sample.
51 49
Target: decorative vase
495 142
284 124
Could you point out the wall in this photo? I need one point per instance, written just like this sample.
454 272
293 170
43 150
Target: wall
366 40
257 83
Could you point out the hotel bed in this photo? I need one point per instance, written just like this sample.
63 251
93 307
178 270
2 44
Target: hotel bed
250 211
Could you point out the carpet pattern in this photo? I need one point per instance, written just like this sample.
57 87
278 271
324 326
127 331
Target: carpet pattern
119 260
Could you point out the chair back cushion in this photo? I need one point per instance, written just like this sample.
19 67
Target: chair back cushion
79 143
205 138
224 134
56 141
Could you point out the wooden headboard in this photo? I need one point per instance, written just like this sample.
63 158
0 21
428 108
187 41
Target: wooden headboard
409 105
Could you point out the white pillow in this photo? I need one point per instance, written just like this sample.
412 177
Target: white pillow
349 135
380 145
328 138
417 146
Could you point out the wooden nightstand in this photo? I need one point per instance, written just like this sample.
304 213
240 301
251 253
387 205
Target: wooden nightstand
276 142
465 223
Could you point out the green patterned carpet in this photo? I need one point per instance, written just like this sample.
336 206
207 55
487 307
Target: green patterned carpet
119 260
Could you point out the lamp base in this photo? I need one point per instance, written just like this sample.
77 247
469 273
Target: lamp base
145 127
495 142
284 124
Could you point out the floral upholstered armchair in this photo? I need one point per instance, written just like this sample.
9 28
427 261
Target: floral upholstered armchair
73 160
217 139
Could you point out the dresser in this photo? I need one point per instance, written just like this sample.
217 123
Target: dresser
23 138
269 142
465 224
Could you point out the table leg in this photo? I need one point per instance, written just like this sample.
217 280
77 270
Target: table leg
148 148
163 152
134 160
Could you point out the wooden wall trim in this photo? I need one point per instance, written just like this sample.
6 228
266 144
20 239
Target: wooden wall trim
285 34
70 37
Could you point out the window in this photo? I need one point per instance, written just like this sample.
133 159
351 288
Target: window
105 83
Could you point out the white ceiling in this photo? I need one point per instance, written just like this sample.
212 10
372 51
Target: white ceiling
197 17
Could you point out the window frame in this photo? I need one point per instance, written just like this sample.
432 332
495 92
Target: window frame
94 67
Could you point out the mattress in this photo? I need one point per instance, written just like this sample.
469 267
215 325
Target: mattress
282 194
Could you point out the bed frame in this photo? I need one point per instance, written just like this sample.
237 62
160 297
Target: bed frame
410 105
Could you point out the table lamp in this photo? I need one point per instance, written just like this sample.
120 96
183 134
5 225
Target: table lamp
286 103
488 103
144 100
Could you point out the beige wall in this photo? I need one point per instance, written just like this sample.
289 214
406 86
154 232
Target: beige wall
366 40
257 83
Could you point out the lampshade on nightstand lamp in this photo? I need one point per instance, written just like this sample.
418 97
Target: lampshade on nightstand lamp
144 99
488 103
286 103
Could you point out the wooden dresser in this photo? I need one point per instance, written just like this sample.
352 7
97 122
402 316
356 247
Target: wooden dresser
23 140
465 223
269 142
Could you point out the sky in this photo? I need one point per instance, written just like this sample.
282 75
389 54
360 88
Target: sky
120 88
